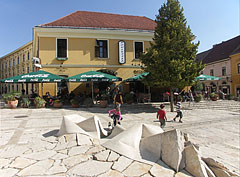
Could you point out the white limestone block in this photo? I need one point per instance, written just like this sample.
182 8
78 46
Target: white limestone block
194 164
8 172
42 155
172 146
78 150
111 173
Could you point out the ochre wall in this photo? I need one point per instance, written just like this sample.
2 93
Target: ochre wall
235 60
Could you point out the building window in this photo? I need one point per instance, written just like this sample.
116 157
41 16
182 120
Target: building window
138 46
9 63
18 60
28 69
33 69
238 68
28 56
211 72
61 48
224 71
23 70
13 62
101 49
23 58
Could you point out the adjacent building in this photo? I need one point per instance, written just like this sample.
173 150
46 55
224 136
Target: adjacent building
223 60
81 42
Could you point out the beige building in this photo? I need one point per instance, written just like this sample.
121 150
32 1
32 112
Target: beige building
16 63
84 41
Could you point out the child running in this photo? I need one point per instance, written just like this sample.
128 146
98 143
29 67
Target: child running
116 115
161 115
179 112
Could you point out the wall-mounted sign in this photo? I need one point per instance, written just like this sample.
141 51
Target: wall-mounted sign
121 52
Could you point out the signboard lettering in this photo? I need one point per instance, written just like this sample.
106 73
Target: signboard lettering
121 52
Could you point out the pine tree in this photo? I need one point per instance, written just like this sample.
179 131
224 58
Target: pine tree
170 59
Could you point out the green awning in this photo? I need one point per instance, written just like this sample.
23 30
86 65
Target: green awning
204 77
93 76
137 77
34 77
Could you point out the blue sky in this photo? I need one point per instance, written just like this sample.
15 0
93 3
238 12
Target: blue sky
211 21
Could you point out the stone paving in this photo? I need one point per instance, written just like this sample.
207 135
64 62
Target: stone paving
28 147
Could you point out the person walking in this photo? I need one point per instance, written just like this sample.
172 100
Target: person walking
118 100
179 112
161 115
115 114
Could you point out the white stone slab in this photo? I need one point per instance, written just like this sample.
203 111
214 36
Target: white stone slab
161 169
102 156
74 160
90 168
13 151
8 172
4 163
122 163
57 167
111 173
21 163
42 155
38 168
83 139
78 150
113 156
137 169
58 156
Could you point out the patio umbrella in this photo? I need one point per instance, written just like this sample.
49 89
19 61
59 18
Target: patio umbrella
204 77
34 77
137 77
93 76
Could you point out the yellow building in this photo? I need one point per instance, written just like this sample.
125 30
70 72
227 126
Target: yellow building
235 69
15 63
85 41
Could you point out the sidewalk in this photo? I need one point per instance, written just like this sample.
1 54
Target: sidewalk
26 135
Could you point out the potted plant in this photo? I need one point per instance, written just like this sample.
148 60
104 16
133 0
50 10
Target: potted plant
11 99
128 98
103 102
57 103
39 102
25 103
75 103
198 97
213 96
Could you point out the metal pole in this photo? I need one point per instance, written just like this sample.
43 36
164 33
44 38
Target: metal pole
42 89
92 92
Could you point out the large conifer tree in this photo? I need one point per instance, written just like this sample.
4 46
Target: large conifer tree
170 59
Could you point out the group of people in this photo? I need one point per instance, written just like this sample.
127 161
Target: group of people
161 114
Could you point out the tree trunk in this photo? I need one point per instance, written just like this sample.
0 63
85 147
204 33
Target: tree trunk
171 99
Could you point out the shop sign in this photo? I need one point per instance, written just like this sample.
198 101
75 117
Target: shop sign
121 52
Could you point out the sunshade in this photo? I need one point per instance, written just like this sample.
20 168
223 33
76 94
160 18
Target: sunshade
34 77
204 77
137 77
93 76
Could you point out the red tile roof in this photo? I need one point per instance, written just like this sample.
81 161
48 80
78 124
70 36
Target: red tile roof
85 19
220 51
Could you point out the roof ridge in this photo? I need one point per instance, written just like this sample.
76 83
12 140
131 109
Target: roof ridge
58 18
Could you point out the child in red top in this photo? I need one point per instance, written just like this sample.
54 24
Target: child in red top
161 115
116 115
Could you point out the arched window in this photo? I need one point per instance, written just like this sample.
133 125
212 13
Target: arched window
238 68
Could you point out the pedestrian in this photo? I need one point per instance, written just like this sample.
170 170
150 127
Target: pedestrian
161 115
118 100
23 91
115 114
179 112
